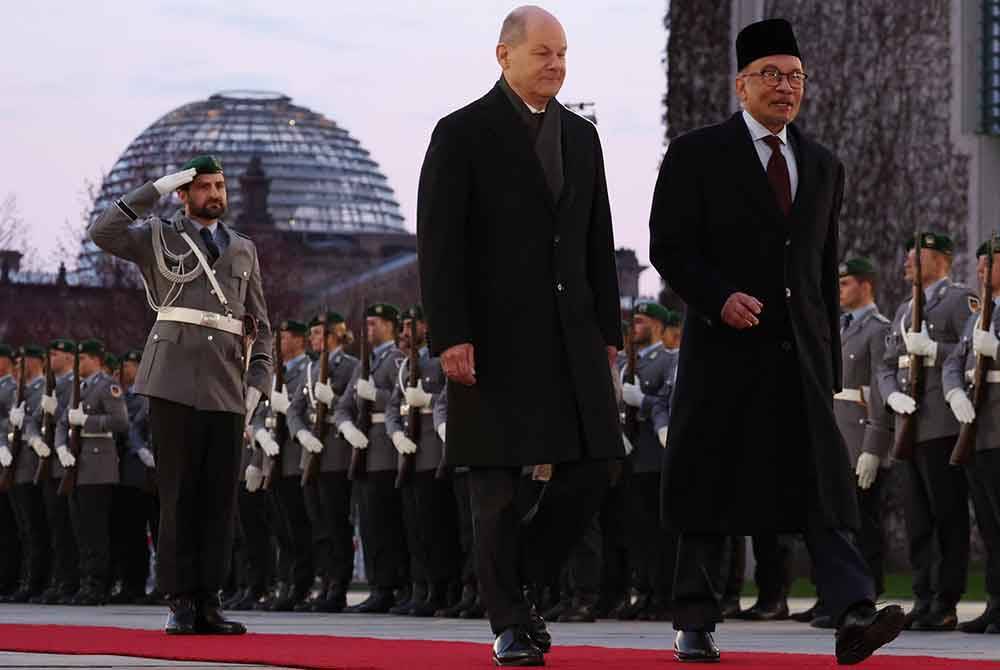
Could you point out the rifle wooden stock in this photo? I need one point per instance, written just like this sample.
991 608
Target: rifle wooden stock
44 470
631 419
16 443
906 435
358 468
406 463
279 429
68 482
310 466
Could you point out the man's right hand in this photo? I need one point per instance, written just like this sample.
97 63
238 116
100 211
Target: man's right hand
354 437
901 403
741 310
459 363
172 182
16 415
254 477
266 442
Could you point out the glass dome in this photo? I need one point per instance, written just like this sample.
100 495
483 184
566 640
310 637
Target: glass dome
322 180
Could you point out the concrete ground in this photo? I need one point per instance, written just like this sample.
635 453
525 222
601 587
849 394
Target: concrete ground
737 636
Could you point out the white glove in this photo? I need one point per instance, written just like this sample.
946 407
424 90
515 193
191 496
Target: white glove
417 397
984 343
67 459
146 456
355 437
77 417
266 442
403 444
40 448
254 477
16 416
442 430
365 389
632 395
867 470
961 406
309 441
6 457
628 445
49 403
279 401
252 400
920 344
172 182
901 403
324 393
662 434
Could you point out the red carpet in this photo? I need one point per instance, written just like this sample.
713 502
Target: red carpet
349 653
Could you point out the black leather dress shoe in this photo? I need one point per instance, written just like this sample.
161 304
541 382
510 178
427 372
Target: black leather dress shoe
514 648
182 615
731 608
379 602
805 616
539 633
979 625
635 608
993 629
777 611
938 619
465 602
695 647
579 611
863 630
246 601
476 611
823 621
557 610
921 608
209 620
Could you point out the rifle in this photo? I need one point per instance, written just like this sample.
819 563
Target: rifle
276 421
631 421
966 442
44 470
407 462
359 457
906 436
16 436
68 482
310 467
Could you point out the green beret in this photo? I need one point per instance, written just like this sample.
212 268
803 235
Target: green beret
383 310
653 310
985 246
674 319
415 313
934 241
204 165
857 266
132 356
332 319
92 347
6 351
293 326
62 344
31 351
110 360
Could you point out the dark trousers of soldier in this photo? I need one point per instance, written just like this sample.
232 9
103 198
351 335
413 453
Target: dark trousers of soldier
328 502
652 550
90 510
937 522
10 557
583 570
984 485
514 549
386 554
29 513
435 538
466 537
772 571
870 539
65 558
134 514
411 524
256 552
295 543
734 567
197 458
613 520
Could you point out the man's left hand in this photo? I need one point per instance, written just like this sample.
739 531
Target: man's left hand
920 344
77 417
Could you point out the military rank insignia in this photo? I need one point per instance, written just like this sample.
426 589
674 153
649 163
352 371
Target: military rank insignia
975 304
116 391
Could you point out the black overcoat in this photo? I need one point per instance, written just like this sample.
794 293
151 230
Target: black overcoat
716 228
528 279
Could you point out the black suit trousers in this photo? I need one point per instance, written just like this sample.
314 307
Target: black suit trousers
257 550
133 515
328 501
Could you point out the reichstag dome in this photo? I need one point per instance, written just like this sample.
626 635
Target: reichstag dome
322 181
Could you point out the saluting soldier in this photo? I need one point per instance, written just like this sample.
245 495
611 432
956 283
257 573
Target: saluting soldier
434 537
936 500
381 506
328 497
203 281
25 497
10 557
99 415
983 471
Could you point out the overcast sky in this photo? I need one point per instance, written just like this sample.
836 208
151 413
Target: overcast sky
81 80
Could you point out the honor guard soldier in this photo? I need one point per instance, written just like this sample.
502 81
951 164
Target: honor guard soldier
983 471
381 506
328 497
65 558
10 557
936 499
134 508
99 415
432 531
205 365
26 498
672 333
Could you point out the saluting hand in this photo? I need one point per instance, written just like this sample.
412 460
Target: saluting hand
174 181
459 363
741 310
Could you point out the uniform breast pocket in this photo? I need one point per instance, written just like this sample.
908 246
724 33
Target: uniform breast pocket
240 277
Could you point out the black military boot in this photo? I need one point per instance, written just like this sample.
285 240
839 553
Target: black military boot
182 615
408 597
316 593
379 602
92 593
247 600
437 599
285 599
659 609
334 600
636 607
465 601
209 620
22 595
942 617
50 596
921 608
580 610
806 616
979 625
553 613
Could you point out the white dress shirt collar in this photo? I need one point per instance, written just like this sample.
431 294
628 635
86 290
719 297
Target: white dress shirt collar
759 132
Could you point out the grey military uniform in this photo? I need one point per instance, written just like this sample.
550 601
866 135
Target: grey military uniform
865 427
27 459
8 395
945 313
296 376
103 400
382 455
429 446
958 373
654 371
63 392
133 470
190 364
336 455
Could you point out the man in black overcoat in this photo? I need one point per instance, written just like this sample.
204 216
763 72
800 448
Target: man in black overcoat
518 280
744 228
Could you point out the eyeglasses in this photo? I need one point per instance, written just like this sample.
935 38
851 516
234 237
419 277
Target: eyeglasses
772 77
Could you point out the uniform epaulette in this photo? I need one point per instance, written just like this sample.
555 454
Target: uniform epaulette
882 318
239 234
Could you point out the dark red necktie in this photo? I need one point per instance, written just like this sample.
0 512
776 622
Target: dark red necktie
777 174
